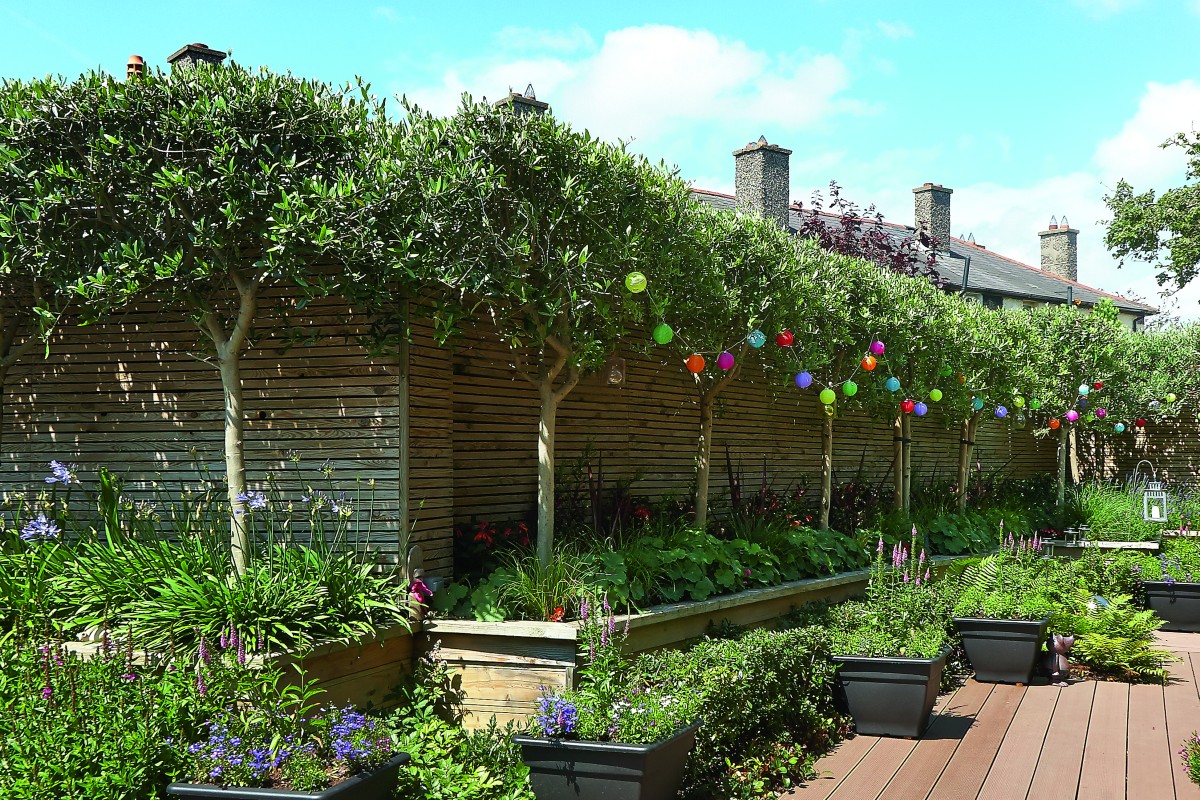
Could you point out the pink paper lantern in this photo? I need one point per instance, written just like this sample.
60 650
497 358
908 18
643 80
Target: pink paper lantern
725 361
1072 415
877 348
1101 413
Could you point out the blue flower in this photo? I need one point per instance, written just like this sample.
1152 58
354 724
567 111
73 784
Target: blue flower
255 501
558 717
62 473
40 528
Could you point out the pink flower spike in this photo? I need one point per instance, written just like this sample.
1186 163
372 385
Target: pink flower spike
927 576
922 559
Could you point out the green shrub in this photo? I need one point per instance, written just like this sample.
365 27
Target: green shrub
448 762
1014 583
1114 513
1189 754
766 700
1114 638
1178 560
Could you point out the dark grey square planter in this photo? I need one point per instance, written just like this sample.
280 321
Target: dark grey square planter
890 696
563 769
1177 604
377 784
1002 650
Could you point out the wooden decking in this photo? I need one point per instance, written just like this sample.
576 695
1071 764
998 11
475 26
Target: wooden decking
1091 741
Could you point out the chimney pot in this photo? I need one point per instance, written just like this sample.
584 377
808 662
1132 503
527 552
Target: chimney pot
762 180
931 206
135 67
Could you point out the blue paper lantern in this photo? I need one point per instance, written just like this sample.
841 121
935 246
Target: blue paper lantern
920 409
977 403
756 339
804 380
1001 412
1084 389
892 384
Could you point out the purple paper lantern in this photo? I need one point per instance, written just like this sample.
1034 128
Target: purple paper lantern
1101 413
920 409
725 360
804 380
1001 412
877 348
1072 415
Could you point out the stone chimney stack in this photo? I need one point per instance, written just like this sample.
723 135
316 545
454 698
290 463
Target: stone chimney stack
1060 250
762 180
197 53
931 205
526 103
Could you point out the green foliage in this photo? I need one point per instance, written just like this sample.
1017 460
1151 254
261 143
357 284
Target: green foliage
1178 560
1114 637
1189 754
1114 513
110 726
951 532
905 612
760 734
449 762
1011 584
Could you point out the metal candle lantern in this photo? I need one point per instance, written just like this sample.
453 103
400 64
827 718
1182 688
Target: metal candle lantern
1154 496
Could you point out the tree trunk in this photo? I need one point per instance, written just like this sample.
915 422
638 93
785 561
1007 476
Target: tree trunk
230 368
704 460
897 464
1063 444
966 442
907 442
826 472
545 484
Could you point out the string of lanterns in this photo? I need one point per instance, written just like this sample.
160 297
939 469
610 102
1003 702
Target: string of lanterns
696 363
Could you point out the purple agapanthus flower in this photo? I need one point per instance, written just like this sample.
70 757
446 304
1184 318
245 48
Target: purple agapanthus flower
40 528
255 501
62 473
558 717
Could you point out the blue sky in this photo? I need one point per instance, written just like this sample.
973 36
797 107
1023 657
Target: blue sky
1025 109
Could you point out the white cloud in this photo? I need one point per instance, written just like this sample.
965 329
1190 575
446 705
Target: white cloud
1099 9
898 30
669 89
1134 153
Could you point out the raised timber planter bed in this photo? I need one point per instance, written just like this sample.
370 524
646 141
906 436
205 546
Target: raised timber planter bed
1074 548
377 784
890 696
1177 604
358 673
504 665
1002 650
573 770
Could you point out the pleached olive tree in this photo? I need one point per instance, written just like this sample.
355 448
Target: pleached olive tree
199 191
734 280
533 228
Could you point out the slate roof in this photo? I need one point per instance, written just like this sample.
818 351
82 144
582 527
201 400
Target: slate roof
989 273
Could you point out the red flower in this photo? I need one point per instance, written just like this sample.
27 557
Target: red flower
557 615
642 513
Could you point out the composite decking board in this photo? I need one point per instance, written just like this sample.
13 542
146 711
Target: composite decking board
921 770
1103 774
875 770
1150 764
1183 716
833 768
1014 765
1057 773
968 767
849 755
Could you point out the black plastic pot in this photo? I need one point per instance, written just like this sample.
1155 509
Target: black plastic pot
378 784
890 696
1002 650
561 769
1177 604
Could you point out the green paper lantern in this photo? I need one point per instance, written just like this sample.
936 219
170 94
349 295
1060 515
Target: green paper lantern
663 333
935 395
828 397
849 388
635 282
1035 404
946 372
1019 401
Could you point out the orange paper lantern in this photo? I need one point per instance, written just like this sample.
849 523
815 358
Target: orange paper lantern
695 363
868 363
1054 423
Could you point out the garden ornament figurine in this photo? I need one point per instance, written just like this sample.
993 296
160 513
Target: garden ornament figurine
1056 659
